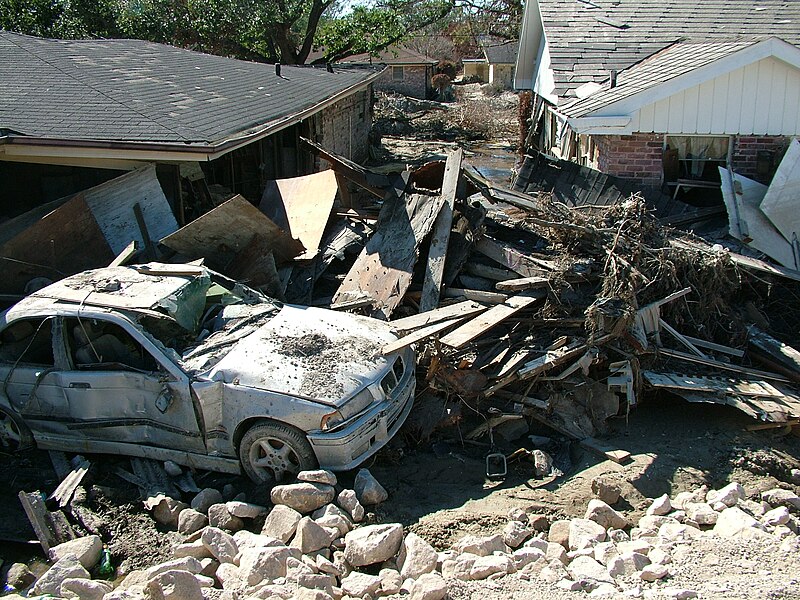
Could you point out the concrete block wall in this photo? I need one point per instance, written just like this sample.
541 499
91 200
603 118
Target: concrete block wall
637 156
415 81
746 150
344 126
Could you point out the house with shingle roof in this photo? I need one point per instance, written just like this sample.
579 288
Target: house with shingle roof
496 66
663 91
408 72
74 113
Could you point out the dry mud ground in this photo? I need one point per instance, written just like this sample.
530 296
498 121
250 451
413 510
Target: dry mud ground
440 491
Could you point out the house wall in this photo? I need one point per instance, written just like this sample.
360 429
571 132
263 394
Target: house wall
476 70
415 83
344 127
501 75
639 156
758 99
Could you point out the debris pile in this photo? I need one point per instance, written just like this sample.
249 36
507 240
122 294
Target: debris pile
317 541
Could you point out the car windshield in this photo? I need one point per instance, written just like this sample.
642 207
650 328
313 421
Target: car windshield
228 315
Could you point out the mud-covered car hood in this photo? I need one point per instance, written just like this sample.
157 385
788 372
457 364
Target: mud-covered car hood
316 353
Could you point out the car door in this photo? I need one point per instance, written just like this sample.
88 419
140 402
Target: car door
29 376
119 388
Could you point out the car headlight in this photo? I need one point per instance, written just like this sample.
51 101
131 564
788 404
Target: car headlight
331 420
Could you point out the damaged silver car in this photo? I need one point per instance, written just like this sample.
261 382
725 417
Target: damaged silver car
177 362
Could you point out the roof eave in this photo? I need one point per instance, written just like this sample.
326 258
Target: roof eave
616 125
14 147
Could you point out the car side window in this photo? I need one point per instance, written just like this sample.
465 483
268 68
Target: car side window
28 341
96 344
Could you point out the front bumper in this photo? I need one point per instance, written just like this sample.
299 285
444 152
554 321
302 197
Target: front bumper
348 447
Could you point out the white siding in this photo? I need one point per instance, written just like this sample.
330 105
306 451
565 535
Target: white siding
762 98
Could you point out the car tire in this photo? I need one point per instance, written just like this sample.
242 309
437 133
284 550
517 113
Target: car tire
273 452
14 434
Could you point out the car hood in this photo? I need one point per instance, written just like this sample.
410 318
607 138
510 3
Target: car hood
316 353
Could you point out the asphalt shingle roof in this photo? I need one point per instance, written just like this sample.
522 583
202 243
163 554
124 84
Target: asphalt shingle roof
501 54
671 62
132 90
396 55
589 38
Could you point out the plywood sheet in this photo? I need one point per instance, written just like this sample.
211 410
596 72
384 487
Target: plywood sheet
223 232
301 205
112 205
66 241
782 198
385 266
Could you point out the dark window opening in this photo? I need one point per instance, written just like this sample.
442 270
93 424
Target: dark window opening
99 344
28 342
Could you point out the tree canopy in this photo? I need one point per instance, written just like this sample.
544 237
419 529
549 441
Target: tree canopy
285 31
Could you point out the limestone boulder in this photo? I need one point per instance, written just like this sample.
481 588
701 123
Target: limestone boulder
67 567
205 499
585 533
481 546
245 510
87 549
416 557
358 585
174 585
318 476
84 589
310 536
368 490
304 497
372 544
191 520
429 586
220 544
605 516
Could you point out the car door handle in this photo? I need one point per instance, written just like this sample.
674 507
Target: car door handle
80 385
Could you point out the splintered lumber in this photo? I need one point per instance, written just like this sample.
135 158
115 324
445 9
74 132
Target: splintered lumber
460 309
674 333
617 456
552 358
385 266
476 295
374 183
700 343
125 255
225 231
301 206
775 352
524 283
513 259
495 315
432 285
710 362
419 335
51 529
63 493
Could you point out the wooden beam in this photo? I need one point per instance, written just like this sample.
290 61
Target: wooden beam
495 315
524 283
512 258
419 335
715 347
124 256
372 182
671 330
710 362
618 456
432 285
476 295
459 309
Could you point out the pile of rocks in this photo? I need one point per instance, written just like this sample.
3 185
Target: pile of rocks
313 545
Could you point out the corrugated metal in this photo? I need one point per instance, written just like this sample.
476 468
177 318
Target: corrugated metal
758 99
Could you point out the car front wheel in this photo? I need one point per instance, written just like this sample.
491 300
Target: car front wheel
273 452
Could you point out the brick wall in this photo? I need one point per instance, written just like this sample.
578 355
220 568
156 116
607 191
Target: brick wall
637 156
415 81
344 126
746 150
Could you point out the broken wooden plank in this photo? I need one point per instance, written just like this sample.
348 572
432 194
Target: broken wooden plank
524 283
513 259
710 362
476 295
702 383
615 455
374 183
49 529
301 206
459 309
255 265
431 286
226 230
123 257
420 334
63 493
775 352
149 247
487 272
674 333
385 266
715 347
495 315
